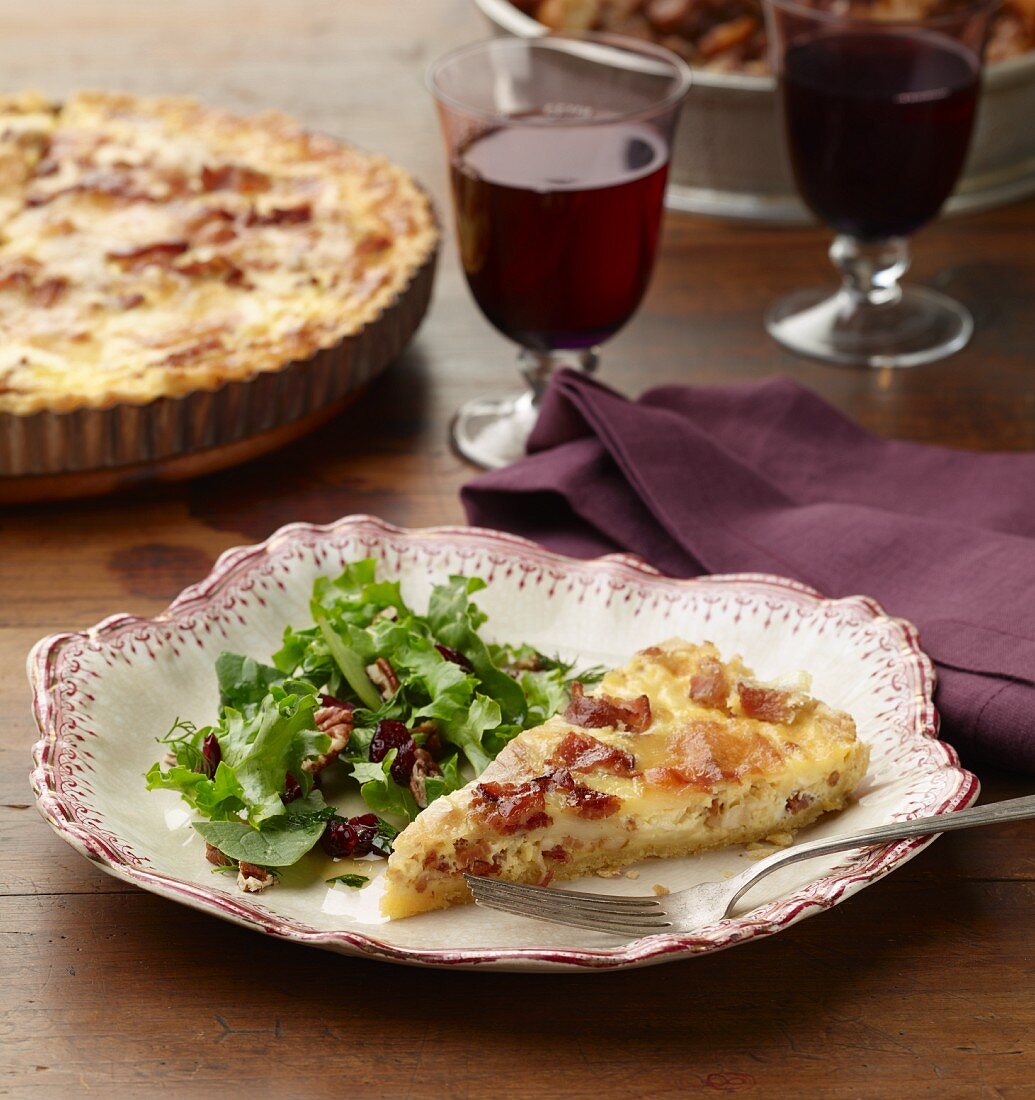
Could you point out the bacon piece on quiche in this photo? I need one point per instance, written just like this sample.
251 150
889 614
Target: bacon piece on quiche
678 751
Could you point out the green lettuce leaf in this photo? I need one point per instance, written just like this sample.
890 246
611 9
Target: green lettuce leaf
381 792
496 740
243 681
450 780
546 693
356 595
454 621
265 747
279 842
220 797
258 750
304 653
351 655
468 728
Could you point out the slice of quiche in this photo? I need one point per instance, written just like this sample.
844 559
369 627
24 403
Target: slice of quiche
677 752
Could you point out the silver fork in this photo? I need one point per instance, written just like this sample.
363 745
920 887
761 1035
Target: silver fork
704 904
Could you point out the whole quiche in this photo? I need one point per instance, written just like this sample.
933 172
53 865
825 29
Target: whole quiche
151 247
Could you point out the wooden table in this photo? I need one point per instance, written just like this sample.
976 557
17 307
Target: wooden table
921 986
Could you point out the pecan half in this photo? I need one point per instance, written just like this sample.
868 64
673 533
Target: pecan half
373 243
432 738
335 720
383 677
423 766
668 16
214 855
725 36
252 879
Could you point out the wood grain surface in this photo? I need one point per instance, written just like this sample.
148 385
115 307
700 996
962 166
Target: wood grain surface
921 986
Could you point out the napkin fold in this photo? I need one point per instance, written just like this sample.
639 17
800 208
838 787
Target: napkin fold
767 477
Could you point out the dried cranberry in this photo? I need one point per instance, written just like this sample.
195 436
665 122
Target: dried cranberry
365 830
338 839
402 765
211 755
354 836
334 701
292 788
456 658
389 735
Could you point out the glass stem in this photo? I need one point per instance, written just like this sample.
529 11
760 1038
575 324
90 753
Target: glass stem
538 366
870 270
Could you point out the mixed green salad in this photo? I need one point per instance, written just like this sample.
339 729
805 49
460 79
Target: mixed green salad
409 706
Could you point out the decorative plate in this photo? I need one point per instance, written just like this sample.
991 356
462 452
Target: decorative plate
103 695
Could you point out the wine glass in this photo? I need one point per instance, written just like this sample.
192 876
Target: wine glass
878 116
558 150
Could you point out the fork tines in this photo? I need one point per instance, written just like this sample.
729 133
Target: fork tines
616 915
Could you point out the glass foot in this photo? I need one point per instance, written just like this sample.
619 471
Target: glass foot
491 431
921 326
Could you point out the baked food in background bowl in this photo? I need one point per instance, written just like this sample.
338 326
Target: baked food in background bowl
729 158
182 287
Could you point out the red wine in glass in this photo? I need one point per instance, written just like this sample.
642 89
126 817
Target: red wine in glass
558 227
878 115
558 150
878 126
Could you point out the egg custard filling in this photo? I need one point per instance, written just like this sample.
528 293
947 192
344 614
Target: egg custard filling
676 752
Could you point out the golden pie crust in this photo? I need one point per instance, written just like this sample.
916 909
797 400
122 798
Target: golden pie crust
153 247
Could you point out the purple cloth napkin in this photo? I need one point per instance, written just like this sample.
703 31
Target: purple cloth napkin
767 477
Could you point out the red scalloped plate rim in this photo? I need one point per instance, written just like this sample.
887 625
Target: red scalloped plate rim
820 894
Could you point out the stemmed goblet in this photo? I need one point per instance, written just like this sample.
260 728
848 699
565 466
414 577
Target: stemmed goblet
878 116
558 150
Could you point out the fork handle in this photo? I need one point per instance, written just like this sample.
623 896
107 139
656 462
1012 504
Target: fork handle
1012 809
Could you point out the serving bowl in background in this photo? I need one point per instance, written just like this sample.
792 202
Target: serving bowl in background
729 160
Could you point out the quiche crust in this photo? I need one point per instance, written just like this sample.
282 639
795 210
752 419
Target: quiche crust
714 758
152 247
